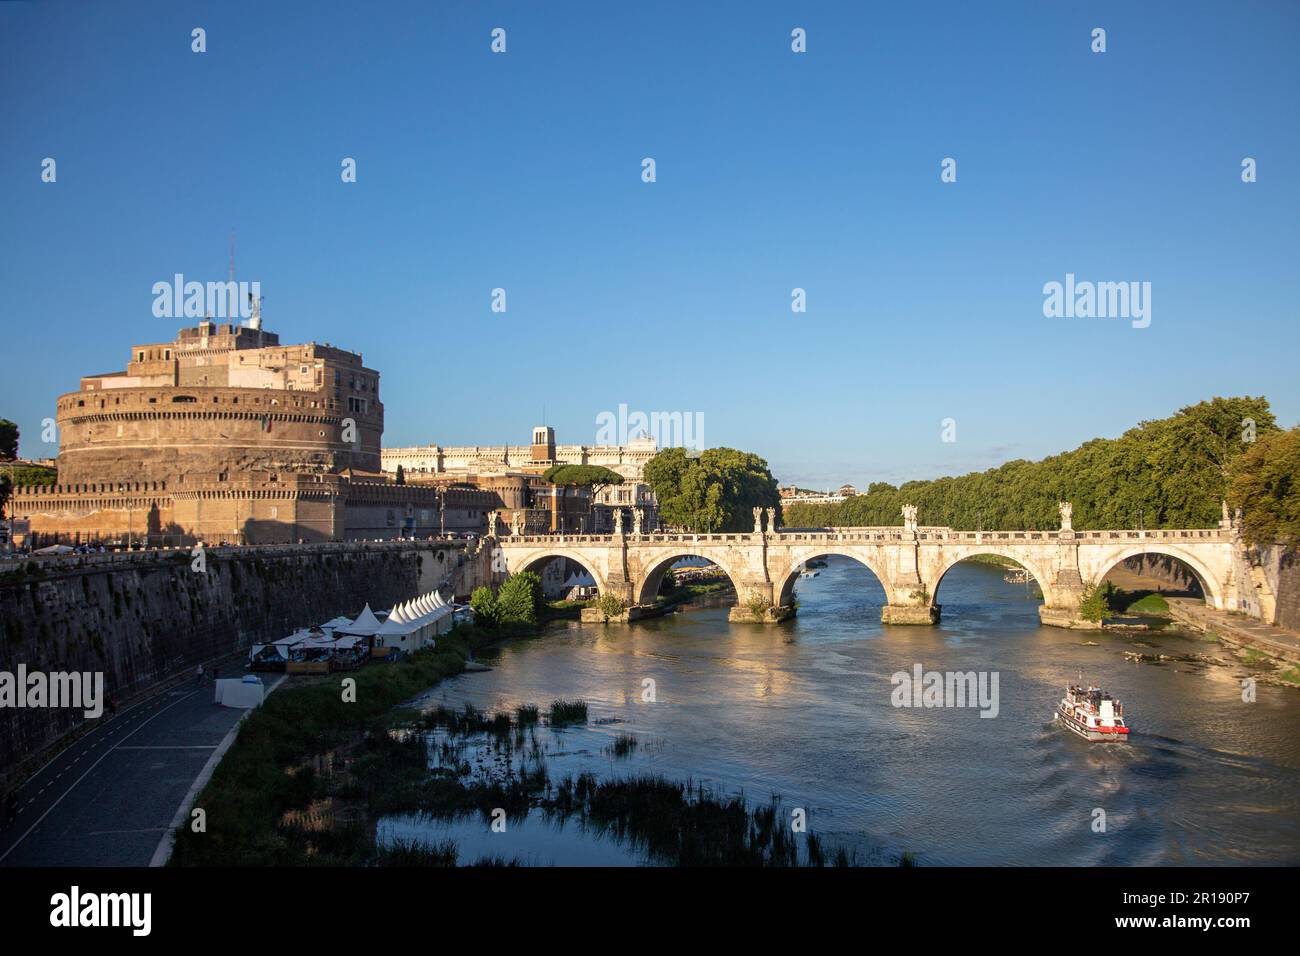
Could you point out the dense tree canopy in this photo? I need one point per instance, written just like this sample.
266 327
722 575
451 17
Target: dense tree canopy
582 476
715 491
1265 484
1167 473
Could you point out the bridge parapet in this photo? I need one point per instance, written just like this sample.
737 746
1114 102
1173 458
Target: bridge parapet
923 535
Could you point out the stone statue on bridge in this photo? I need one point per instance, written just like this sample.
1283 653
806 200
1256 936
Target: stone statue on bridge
517 523
1067 515
758 521
909 518
618 520
771 521
492 524
636 520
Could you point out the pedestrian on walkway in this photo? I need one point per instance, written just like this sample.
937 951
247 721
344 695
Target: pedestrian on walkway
198 676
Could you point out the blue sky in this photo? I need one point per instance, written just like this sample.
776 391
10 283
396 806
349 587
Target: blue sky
774 171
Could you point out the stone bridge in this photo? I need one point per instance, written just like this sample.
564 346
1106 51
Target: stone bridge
908 561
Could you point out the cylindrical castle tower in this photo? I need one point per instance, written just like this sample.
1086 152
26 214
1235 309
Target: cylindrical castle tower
222 400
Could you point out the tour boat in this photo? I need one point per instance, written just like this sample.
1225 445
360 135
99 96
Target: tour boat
1092 714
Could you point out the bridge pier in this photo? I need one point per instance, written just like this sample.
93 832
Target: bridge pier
1062 617
1062 603
766 614
909 614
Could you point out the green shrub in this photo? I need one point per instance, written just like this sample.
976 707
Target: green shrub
1096 601
610 605
520 598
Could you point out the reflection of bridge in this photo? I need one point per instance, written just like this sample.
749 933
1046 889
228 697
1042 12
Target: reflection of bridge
909 562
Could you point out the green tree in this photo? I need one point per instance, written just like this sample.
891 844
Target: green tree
487 610
715 491
1265 484
401 475
8 440
593 477
582 476
520 598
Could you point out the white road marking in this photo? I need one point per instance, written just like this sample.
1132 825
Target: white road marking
16 843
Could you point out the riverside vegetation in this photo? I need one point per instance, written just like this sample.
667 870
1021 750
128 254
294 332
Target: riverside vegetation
1166 473
310 775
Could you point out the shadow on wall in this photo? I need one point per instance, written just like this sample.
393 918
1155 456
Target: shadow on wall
281 532
1173 572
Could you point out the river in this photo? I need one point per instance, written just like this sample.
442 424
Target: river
803 710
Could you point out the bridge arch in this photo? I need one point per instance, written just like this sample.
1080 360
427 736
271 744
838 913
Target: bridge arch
1040 574
646 589
535 560
1213 588
783 583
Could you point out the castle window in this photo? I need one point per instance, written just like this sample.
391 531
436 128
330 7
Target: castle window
139 357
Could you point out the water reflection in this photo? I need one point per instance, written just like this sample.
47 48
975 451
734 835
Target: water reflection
803 710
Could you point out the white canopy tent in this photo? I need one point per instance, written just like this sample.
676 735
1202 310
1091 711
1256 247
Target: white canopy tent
366 625
415 623
579 584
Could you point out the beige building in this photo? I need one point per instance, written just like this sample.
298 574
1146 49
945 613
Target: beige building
485 465
628 460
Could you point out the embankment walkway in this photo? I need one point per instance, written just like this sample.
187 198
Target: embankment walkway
1236 628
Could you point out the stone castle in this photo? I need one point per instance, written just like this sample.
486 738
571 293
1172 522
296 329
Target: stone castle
225 434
